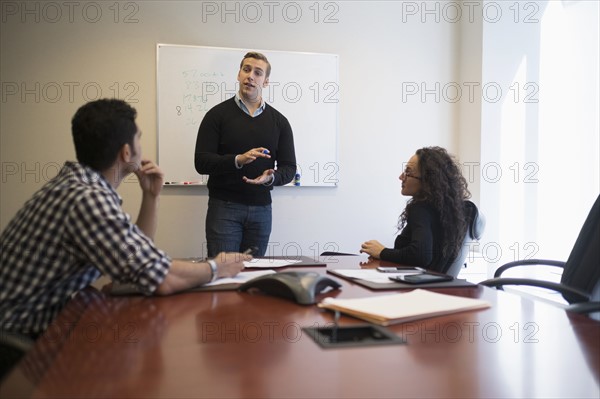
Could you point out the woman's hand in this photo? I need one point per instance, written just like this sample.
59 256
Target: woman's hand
372 248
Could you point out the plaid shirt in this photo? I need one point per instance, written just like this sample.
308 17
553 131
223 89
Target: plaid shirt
69 233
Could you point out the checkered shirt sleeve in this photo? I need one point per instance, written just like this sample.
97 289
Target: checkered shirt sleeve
107 238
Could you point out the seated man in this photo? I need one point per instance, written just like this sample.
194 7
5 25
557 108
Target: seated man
74 229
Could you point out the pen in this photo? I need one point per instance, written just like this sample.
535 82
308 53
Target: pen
171 183
336 319
265 151
250 250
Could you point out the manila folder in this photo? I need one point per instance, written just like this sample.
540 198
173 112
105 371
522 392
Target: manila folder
399 308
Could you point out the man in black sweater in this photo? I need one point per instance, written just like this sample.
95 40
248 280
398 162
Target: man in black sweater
240 142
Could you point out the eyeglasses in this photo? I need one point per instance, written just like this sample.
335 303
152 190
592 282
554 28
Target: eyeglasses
408 173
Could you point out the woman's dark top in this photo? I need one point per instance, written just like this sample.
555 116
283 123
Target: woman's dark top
420 242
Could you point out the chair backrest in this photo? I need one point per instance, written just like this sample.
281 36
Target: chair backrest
475 228
582 269
13 347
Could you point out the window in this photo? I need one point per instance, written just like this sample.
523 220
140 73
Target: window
540 163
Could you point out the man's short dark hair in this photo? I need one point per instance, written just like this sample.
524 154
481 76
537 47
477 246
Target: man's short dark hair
257 56
100 129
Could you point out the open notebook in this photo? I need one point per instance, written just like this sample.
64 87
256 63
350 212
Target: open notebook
399 308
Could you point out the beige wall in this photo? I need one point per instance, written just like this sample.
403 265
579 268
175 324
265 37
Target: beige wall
384 47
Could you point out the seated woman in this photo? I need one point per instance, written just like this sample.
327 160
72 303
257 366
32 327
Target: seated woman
433 223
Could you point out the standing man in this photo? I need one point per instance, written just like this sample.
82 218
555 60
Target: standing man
239 142
74 229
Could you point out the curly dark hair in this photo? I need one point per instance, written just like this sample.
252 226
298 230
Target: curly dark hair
445 189
100 128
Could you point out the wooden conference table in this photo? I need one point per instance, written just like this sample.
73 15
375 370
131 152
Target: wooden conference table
229 344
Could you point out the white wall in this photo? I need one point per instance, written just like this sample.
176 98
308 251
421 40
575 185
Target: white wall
383 48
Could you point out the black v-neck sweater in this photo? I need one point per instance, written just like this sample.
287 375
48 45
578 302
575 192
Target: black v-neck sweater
227 131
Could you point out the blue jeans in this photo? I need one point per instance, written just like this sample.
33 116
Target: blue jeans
233 227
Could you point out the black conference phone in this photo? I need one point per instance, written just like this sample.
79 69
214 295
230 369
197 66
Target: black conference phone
300 287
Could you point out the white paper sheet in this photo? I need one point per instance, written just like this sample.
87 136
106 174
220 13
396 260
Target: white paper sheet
240 278
269 263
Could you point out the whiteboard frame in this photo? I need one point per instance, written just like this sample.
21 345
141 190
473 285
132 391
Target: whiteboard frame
315 174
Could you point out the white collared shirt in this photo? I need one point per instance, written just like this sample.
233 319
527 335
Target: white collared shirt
243 107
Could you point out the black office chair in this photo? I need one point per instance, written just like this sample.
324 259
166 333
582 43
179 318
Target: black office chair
580 280
585 307
475 228
13 347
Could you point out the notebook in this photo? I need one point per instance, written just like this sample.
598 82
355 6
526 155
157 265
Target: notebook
400 308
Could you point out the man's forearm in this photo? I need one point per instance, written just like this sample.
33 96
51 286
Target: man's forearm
148 217
184 275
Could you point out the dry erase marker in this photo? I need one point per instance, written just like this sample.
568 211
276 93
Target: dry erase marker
191 182
265 151
250 251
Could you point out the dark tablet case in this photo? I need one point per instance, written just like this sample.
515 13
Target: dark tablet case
393 285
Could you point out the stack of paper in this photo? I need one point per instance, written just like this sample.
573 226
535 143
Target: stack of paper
270 263
239 278
399 308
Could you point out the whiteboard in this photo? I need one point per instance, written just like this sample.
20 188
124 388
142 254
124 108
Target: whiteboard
302 86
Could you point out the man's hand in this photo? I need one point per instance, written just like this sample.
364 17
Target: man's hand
265 178
151 178
251 155
230 263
